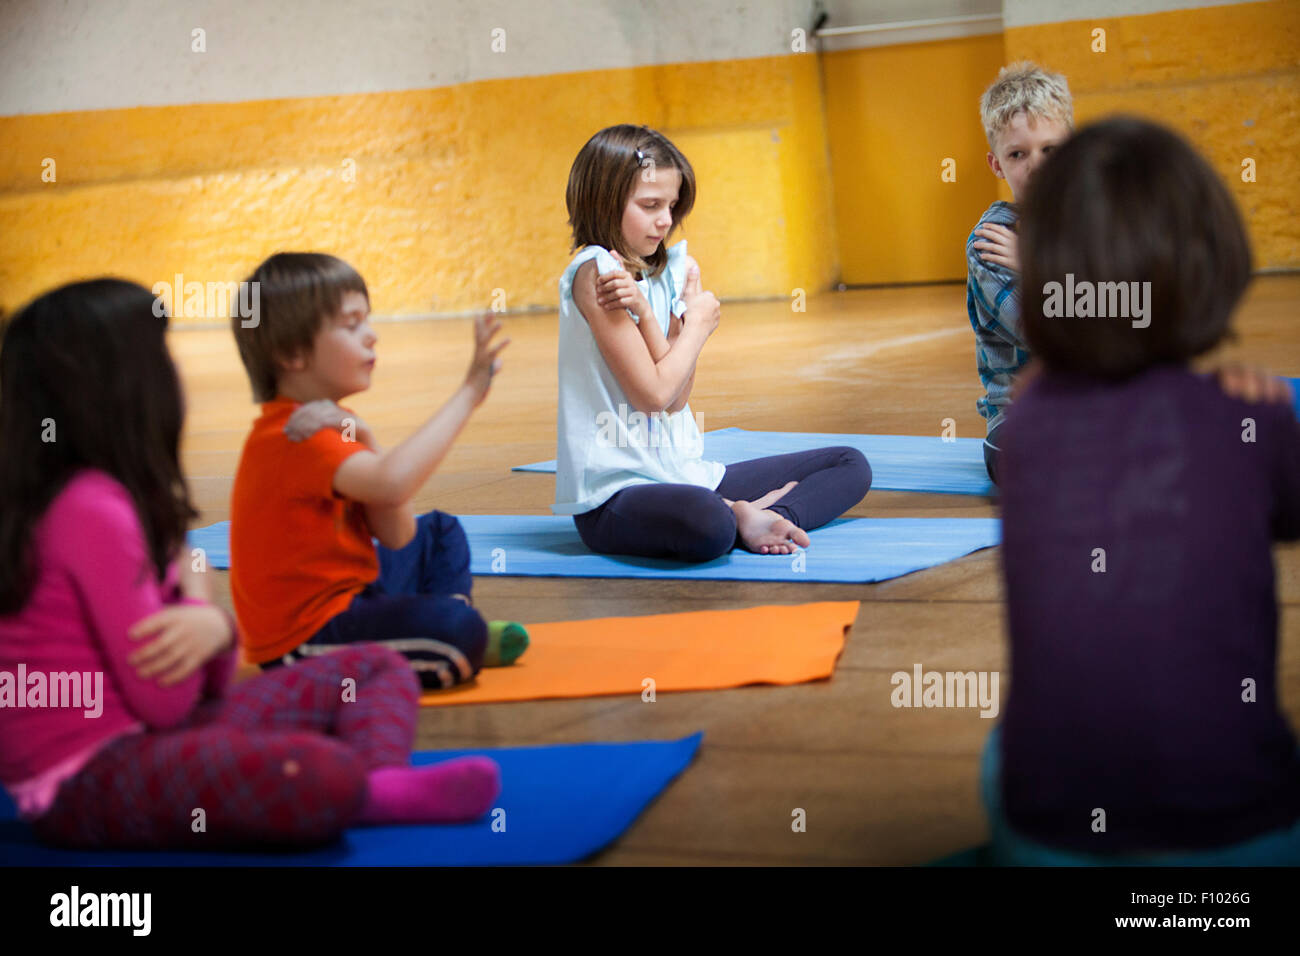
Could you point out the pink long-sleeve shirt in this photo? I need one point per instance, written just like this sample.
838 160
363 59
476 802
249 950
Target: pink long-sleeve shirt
94 580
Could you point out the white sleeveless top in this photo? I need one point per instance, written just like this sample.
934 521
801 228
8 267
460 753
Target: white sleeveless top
604 443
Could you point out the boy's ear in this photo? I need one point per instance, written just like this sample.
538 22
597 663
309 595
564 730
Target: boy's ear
994 165
292 363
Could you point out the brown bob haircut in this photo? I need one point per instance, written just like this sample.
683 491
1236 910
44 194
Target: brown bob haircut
297 293
1126 200
604 176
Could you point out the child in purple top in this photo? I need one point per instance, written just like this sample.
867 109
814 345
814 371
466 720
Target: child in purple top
1140 504
117 719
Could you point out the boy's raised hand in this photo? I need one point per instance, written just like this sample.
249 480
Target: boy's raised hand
1000 245
702 308
486 361
185 637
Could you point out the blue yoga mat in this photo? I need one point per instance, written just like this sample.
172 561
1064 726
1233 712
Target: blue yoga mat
848 550
898 462
561 804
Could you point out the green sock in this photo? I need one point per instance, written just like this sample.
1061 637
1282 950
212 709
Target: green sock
506 641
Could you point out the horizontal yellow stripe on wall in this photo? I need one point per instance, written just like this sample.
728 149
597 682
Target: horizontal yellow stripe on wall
1196 45
1227 78
439 197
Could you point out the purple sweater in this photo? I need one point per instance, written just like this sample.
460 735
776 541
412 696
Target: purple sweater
94 580
1128 684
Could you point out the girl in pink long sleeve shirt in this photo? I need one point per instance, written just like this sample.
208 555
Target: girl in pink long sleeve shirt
118 719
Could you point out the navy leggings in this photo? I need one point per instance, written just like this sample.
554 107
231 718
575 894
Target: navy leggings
992 453
410 608
691 523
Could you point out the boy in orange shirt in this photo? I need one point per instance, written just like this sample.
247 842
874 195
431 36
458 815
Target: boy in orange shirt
313 487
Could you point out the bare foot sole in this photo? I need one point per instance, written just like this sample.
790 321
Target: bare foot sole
766 532
772 497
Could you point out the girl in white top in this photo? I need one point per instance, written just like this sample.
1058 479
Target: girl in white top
633 320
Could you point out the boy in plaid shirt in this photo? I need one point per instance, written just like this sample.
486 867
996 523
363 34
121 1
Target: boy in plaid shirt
1026 113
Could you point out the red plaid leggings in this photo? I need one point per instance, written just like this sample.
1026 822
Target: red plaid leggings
281 760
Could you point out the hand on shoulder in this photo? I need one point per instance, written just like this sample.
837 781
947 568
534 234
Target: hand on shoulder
1252 384
310 417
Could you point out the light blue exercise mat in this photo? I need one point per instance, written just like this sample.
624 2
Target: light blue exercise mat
848 550
558 804
898 462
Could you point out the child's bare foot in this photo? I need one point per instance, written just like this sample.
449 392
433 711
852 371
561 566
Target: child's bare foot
766 532
772 497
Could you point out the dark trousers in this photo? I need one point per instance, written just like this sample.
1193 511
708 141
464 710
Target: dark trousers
410 608
690 523
991 454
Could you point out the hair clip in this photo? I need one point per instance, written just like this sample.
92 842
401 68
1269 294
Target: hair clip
640 158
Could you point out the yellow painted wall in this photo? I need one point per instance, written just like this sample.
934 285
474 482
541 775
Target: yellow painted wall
1228 78
894 114
458 190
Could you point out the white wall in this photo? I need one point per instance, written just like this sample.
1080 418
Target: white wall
845 13
1014 13
103 54
58 55
1021 13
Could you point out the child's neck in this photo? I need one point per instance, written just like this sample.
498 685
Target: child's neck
303 389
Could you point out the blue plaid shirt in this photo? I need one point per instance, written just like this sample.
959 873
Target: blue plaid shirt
993 303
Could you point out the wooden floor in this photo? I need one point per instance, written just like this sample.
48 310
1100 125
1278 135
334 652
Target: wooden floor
879 785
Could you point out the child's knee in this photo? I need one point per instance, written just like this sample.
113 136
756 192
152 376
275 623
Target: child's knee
471 632
445 528
991 456
320 784
711 538
465 635
853 459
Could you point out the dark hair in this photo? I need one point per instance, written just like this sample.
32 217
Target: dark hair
603 177
90 361
1125 200
296 292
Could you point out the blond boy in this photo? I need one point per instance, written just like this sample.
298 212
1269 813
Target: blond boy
1026 113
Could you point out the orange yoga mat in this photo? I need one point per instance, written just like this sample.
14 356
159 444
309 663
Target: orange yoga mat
698 650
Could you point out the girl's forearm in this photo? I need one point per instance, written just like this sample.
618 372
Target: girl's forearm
194 584
674 333
684 396
677 368
654 338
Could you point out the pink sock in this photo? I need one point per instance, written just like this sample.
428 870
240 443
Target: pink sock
455 791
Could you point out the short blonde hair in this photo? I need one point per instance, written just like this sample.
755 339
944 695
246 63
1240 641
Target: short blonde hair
1024 87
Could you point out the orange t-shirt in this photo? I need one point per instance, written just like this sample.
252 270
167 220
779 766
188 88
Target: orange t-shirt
299 551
